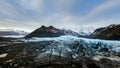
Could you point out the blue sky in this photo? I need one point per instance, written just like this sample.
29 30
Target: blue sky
31 14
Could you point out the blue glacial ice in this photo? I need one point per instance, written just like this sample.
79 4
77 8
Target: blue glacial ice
78 46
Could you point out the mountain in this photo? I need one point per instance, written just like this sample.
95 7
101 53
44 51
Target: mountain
6 32
84 31
50 31
111 32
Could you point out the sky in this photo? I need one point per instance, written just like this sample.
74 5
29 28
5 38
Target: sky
29 15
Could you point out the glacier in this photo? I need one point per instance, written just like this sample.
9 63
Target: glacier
63 50
76 46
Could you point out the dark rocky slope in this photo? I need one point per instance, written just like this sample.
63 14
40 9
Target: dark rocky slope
111 32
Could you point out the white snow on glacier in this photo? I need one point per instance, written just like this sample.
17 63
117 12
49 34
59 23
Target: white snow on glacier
3 55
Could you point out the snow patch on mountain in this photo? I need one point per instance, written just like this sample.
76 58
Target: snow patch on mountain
7 32
3 55
84 31
114 58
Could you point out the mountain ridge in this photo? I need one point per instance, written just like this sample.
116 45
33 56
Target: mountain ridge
5 32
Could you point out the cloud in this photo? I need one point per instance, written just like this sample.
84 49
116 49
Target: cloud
31 14
7 10
62 4
21 10
35 5
101 8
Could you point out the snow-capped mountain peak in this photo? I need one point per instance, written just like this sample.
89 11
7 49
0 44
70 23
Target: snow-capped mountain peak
84 31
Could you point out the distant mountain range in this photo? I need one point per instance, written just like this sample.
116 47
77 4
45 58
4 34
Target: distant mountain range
111 32
5 32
